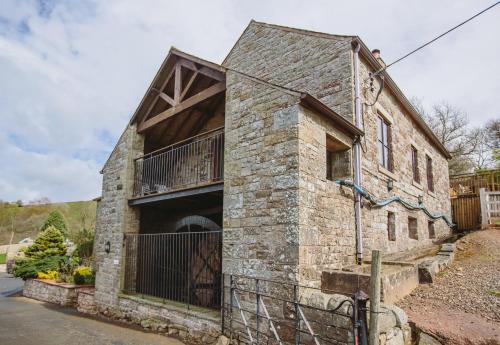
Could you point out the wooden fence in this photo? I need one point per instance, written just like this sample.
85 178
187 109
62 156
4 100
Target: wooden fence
465 199
490 208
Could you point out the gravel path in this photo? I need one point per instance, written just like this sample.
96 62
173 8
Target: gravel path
463 305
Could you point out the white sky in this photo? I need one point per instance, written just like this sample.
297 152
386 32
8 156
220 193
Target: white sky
73 72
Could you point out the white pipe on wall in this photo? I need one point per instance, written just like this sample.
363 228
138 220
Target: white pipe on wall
357 157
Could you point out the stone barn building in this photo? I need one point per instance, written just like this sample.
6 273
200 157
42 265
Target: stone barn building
247 168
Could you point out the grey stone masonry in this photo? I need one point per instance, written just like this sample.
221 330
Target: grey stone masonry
114 216
321 66
260 180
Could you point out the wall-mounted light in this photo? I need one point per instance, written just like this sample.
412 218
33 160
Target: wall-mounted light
420 199
390 185
107 247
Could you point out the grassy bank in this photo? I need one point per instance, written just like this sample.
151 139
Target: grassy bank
25 221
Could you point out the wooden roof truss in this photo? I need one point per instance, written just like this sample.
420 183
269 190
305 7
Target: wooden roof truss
188 83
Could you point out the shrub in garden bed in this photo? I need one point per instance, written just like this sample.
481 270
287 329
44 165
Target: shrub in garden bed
84 275
28 268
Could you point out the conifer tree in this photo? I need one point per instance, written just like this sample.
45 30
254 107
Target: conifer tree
56 220
50 242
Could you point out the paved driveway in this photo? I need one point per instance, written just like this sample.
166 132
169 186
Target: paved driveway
25 321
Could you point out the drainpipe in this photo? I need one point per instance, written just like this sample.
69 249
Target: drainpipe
357 157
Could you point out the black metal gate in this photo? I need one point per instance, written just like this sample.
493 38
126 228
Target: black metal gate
180 266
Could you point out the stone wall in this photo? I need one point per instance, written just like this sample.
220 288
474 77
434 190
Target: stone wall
318 64
52 292
326 218
114 216
193 327
322 65
405 133
86 302
260 217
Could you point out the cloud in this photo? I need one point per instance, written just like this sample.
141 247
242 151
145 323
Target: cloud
72 73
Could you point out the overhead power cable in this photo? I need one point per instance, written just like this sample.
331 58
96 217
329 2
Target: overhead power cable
436 38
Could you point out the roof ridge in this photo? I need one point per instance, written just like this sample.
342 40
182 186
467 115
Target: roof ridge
302 31
182 53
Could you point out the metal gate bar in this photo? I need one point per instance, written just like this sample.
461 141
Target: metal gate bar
251 298
180 266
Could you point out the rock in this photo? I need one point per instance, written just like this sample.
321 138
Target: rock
386 320
427 270
399 314
382 339
407 334
223 340
316 300
145 323
426 339
395 337
448 247
207 339
335 301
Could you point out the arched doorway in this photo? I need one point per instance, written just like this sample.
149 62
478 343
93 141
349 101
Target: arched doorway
201 253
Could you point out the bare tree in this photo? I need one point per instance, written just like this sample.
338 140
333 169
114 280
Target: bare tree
451 126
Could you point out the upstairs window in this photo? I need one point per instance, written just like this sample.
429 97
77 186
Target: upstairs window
430 175
391 226
384 143
432 232
413 228
338 159
414 164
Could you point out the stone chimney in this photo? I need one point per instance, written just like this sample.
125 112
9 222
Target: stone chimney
376 55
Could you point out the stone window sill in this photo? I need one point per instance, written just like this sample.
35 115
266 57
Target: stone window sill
417 185
431 193
387 172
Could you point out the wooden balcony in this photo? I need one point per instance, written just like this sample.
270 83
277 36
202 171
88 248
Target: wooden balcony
195 162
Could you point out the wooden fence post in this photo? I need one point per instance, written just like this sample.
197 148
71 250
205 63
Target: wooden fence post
374 297
483 199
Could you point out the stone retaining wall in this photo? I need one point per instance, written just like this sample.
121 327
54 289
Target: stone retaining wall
52 292
86 302
195 326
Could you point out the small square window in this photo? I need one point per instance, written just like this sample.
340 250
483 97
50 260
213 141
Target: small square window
413 228
391 226
338 159
432 232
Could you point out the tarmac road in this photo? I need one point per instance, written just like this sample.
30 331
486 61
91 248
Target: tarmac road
24 321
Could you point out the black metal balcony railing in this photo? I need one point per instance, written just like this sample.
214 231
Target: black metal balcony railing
193 162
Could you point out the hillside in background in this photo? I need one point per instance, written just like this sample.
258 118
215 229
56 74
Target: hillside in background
25 221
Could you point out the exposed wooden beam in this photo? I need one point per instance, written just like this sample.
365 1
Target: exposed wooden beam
211 73
165 97
178 83
188 85
151 106
188 103
188 64
217 75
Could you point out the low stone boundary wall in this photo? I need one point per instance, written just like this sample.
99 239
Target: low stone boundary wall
195 326
52 292
429 268
85 302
